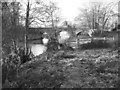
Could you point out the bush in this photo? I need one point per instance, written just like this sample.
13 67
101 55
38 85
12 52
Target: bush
9 68
39 74
95 45
11 63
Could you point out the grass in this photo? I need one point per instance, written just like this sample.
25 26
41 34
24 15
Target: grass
95 65
76 69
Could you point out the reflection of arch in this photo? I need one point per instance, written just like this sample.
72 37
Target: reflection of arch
117 27
79 33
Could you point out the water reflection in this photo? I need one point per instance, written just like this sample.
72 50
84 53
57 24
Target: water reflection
38 49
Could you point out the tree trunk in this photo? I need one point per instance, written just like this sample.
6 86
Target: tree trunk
27 26
93 19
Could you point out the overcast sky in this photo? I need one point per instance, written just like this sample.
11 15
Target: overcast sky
70 8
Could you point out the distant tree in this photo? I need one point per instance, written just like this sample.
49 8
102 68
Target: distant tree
10 20
41 14
97 15
38 13
47 14
15 7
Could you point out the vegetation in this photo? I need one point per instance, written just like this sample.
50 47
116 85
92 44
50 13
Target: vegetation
60 69
93 65
98 15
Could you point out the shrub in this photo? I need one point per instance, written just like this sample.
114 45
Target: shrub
9 68
45 74
11 64
95 45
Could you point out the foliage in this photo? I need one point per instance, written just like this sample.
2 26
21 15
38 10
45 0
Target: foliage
39 74
10 65
95 44
84 72
85 68
11 28
46 75
56 68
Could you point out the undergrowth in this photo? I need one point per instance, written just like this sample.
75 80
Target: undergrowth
51 70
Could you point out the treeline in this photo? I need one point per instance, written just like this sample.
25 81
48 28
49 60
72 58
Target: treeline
17 17
12 29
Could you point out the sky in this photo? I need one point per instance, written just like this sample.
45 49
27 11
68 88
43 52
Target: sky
70 8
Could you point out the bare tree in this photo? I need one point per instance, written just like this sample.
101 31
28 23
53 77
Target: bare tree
97 15
42 14
27 24
27 16
46 14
